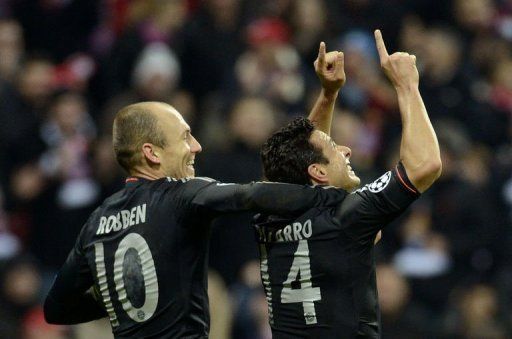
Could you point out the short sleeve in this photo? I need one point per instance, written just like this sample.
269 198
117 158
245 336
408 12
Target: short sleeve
370 208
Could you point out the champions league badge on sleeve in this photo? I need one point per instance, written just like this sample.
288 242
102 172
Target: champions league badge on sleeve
378 185
381 183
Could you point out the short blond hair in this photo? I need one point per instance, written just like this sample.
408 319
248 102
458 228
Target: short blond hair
135 125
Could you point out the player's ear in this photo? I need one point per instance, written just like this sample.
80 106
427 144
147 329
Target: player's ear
318 173
151 153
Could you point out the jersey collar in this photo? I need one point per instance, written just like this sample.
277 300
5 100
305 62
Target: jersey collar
132 181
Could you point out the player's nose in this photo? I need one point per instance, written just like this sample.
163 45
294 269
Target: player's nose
347 152
195 146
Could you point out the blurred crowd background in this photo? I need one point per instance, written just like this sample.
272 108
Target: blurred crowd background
237 70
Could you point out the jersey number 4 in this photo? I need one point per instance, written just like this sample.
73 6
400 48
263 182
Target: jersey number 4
298 287
132 243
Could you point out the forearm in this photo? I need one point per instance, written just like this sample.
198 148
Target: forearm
322 112
70 300
77 310
419 149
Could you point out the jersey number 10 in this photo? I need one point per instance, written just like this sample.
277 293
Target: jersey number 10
130 242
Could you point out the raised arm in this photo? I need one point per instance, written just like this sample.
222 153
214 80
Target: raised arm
419 149
330 70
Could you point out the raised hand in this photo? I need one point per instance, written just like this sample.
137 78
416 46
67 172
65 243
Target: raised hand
399 67
330 69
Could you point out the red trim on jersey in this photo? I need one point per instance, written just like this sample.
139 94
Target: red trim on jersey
404 183
131 179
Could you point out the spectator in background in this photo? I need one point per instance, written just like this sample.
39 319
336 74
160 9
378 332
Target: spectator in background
107 173
250 306
366 15
212 43
501 86
401 317
424 259
68 133
445 82
469 230
475 315
271 67
20 291
56 28
155 76
10 245
153 21
220 307
474 17
30 92
11 49
35 327
22 109
252 120
71 191
309 25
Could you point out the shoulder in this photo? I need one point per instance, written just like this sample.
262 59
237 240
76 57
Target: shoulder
186 188
196 182
89 229
189 180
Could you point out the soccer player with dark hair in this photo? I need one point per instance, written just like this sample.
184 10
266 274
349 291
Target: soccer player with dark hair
318 269
141 258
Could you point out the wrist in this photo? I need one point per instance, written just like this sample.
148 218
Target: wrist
330 94
407 88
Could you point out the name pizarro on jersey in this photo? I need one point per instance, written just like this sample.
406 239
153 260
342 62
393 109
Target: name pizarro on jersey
292 232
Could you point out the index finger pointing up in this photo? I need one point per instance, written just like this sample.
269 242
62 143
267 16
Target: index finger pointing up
381 47
321 55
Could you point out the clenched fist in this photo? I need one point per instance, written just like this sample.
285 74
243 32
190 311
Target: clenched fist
330 69
399 67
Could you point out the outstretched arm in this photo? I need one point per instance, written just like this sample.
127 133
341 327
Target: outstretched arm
419 148
265 197
330 70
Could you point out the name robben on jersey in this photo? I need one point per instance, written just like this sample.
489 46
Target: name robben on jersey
123 219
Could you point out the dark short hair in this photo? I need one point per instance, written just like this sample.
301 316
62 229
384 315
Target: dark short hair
135 125
287 154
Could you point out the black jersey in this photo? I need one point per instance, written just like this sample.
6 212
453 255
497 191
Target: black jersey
318 270
144 252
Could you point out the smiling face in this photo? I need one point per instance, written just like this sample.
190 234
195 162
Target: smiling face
178 155
337 172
